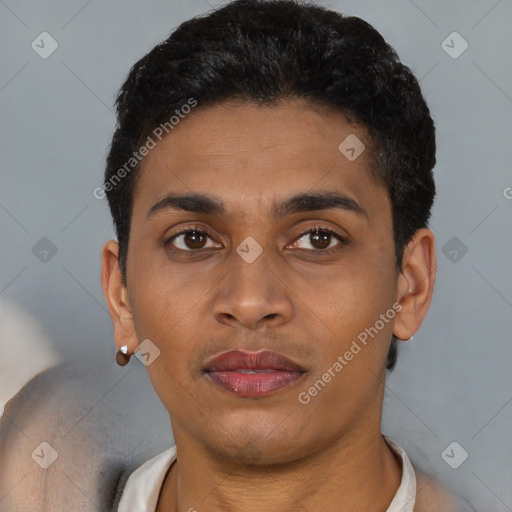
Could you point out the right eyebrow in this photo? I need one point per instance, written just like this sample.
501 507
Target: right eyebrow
198 203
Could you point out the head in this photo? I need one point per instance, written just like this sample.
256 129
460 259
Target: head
251 106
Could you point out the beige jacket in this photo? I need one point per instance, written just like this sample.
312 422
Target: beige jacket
433 497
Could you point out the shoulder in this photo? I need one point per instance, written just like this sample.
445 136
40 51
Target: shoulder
431 496
90 424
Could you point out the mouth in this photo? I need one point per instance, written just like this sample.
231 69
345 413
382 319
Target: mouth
253 374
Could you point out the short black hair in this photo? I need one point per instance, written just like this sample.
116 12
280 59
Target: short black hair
264 51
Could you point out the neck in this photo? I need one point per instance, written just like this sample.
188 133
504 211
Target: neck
357 472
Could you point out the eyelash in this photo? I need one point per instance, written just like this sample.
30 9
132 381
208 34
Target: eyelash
202 231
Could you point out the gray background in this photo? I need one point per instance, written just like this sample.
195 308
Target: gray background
453 381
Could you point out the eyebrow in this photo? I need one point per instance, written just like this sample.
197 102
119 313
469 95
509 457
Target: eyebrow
302 202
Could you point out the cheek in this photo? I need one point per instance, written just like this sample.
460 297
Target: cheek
165 310
351 308
163 299
354 351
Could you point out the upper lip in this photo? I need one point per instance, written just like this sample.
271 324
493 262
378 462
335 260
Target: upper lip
245 360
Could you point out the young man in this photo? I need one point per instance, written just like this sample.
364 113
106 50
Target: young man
270 180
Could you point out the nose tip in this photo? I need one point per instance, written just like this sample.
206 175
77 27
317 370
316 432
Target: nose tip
251 323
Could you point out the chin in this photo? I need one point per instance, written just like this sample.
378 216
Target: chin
261 448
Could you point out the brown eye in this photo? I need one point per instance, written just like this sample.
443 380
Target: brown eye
320 239
189 240
194 239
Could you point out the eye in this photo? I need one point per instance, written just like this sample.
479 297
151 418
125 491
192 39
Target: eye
321 239
195 239
190 239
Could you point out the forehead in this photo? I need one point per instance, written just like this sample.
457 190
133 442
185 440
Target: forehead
250 155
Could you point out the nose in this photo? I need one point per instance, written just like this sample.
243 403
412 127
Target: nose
253 295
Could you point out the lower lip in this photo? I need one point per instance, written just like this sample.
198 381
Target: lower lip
255 385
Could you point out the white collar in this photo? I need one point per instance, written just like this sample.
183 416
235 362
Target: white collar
143 486
405 496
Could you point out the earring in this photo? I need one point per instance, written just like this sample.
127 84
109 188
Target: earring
405 341
122 356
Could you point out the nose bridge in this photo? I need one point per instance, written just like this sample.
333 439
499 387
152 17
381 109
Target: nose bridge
252 264
251 290
252 271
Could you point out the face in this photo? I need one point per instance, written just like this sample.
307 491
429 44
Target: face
253 274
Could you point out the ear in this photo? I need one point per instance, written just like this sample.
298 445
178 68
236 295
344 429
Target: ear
117 299
415 284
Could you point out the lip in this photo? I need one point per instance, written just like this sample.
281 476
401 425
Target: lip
273 372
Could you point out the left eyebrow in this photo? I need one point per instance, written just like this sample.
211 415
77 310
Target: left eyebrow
302 202
326 200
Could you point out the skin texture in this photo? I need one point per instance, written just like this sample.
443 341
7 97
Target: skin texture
274 452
